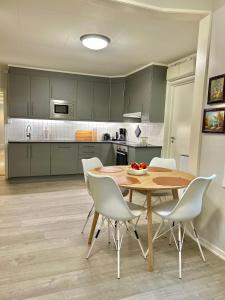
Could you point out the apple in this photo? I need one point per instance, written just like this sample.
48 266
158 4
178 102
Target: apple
143 165
135 166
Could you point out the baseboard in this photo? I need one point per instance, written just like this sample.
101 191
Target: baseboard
209 246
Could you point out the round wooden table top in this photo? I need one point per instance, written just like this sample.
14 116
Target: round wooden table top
155 179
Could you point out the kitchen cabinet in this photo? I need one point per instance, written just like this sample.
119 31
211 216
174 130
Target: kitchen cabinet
143 154
39 97
101 101
63 88
145 92
87 150
182 69
18 160
117 89
39 159
85 97
18 95
64 158
106 154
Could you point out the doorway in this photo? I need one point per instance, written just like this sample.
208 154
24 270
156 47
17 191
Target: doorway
180 121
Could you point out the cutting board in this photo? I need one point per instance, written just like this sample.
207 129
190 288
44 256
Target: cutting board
86 135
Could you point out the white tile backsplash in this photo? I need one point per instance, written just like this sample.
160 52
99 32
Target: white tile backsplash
65 130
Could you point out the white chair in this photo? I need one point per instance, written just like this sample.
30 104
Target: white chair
168 163
182 212
89 164
110 204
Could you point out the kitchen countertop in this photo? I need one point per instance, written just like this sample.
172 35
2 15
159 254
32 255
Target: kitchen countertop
122 143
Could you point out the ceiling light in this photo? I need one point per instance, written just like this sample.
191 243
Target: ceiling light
95 41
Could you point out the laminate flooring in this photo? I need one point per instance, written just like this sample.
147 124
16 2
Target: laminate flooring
42 252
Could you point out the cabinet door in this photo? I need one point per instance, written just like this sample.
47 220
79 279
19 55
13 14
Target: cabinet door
84 100
40 97
116 101
18 159
101 101
63 158
63 88
18 95
106 154
39 159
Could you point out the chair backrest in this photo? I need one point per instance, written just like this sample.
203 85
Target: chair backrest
168 163
90 163
190 204
108 198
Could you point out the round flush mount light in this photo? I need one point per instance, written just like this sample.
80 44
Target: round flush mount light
95 41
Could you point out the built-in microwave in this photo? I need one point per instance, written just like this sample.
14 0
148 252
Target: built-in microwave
61 109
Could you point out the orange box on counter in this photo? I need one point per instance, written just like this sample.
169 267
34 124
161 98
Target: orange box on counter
86 135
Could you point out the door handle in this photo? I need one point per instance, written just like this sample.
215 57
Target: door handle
172 139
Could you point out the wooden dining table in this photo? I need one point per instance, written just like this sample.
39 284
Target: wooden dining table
155 179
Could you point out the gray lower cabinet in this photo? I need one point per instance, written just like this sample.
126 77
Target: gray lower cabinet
18 95
84 100
117 88
40 97
64 158
39 159
101 101
63 88
18 160
143 154
106 154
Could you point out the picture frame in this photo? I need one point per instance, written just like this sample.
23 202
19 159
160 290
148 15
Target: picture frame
214 120
216 91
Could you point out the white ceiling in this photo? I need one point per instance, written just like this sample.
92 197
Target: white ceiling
46 34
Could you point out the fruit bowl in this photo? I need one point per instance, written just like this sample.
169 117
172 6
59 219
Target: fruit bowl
136 172
137 169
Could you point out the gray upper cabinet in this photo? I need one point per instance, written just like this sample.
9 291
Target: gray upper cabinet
101 101
18 160
39 97
117 89
64 158
39 159
145 92
85 94
63 88
18 95
158 94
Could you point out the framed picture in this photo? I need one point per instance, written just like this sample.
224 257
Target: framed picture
216 93
214 120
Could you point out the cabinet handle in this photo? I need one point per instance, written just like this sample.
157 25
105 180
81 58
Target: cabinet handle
64 147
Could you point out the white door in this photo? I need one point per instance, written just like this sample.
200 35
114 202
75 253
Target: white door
181 118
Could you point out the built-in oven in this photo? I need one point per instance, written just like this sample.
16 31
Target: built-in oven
61 109
122 155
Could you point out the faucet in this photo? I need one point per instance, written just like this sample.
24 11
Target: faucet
28 131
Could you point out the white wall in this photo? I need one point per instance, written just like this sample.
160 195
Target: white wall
211 224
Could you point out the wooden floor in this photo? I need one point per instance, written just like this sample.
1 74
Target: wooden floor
42 253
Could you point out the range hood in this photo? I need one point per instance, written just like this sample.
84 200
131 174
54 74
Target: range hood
135 115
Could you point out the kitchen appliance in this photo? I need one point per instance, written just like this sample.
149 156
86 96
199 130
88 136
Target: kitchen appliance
122 134
115 137
61 109
121 155
106 137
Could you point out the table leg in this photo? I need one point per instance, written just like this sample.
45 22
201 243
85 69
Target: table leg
175 194
130 195
94 222
149 214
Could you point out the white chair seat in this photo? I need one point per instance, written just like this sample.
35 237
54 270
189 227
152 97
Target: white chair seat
136 209
165 208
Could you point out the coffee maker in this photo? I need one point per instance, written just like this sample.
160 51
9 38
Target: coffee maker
122 134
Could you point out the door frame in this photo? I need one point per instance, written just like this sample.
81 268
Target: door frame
169 111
